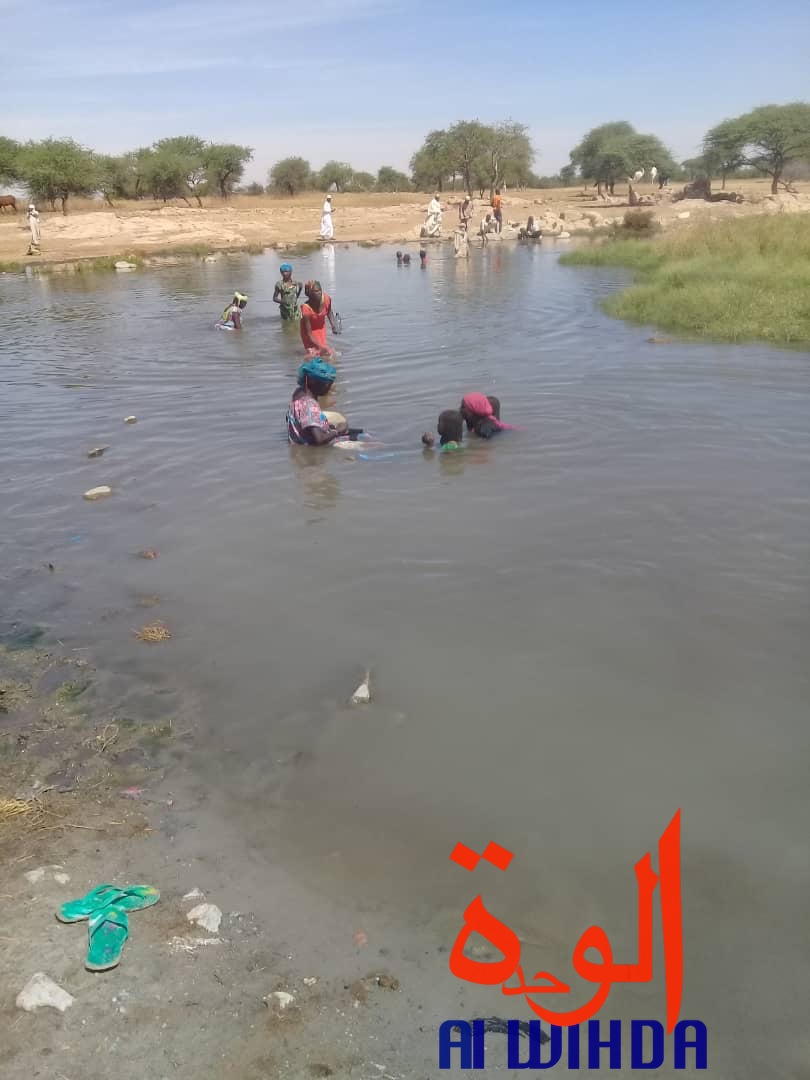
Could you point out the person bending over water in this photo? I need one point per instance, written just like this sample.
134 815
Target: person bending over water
307 425
286 294
450 428
314 313
231 317
482 415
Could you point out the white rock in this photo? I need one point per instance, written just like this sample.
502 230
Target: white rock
97 493
310 982
362 695
37 875
280 998
195 894
130 419
564 235
123 265
61 879
39 991
208 916
684 214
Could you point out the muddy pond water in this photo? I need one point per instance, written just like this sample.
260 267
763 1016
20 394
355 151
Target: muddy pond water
573 630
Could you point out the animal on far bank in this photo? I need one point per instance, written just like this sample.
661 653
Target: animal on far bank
8 200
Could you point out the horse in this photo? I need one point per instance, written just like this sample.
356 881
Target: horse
8 200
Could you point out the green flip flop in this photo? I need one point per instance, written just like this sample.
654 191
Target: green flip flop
108 931
128 897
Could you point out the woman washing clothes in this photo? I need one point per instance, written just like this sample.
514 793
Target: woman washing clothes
307 425
314 313
482 415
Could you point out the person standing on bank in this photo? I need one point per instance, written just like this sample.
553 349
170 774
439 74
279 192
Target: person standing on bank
33 225
327 228
497 211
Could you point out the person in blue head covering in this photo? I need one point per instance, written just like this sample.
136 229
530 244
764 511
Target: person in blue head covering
287 293
307 425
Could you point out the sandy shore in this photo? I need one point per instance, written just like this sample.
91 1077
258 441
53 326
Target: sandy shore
91 230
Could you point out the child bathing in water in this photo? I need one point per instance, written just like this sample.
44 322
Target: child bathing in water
450 427
231 317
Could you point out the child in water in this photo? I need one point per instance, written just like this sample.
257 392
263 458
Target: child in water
482 415
231 318
450 427
422 259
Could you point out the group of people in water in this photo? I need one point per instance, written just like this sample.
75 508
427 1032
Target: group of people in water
308 424
312 315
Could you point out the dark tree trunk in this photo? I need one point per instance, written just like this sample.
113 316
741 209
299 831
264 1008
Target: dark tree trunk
64 204
723 184
775 181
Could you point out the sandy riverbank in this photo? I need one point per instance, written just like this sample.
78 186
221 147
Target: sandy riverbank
117 800
92 230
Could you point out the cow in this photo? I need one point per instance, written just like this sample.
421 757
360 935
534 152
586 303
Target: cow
8 200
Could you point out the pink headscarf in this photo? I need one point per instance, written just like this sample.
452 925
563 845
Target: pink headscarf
480 406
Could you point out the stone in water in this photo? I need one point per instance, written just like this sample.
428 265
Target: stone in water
362 695
97 493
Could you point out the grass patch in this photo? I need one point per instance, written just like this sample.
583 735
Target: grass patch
744 280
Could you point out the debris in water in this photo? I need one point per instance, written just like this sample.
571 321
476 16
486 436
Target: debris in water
280 999
130 419
148 553
208 916
153 633
360 939
362 695
190 945
39 991
195 894
131 792
310 981
97 451
97 493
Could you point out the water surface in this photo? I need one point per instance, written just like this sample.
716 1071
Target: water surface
573 630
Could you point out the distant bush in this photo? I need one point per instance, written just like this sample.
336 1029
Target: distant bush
640 221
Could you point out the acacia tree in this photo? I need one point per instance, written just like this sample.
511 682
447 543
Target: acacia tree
117 176
338 173
225 166
184 155
613 151
56 169
467 141
768 138
509 153
290 175
390 179
9 154
431 164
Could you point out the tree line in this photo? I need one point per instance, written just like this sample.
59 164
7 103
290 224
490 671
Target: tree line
184 167
772 140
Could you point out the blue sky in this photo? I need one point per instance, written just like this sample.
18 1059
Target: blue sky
364 80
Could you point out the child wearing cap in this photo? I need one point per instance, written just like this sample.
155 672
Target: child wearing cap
286 294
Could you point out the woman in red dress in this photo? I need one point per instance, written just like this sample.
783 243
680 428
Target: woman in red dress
314 313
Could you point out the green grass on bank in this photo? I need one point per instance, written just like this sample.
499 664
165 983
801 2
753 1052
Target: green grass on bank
742 280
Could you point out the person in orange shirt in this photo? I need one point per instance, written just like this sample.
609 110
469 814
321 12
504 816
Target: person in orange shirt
497 212
314 314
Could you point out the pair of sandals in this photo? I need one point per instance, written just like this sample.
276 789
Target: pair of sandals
106 910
